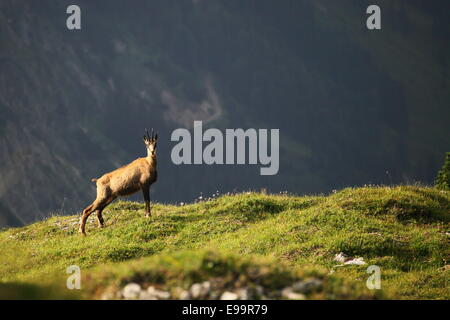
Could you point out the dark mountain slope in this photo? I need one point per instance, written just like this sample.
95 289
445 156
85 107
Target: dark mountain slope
350 104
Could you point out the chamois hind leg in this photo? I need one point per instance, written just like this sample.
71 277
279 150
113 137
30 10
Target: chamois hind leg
101 222
146 193
96 205
84 216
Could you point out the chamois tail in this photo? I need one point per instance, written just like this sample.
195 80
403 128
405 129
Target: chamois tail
94 180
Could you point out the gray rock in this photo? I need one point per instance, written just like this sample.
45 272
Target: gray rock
162 295
307 286
206 288
259 290
214 294
131 291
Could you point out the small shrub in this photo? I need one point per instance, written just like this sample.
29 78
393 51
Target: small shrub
443 176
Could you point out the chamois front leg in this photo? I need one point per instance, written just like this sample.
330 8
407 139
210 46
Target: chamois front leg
146 193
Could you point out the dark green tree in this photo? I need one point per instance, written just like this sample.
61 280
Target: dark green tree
443 176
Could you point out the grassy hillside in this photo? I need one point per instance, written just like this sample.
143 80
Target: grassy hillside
247 240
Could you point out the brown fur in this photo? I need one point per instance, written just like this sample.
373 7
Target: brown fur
137 175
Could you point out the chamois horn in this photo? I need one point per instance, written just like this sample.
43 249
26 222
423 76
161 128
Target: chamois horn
146 136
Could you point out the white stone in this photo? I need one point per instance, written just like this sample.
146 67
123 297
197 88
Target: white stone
196 290
346 260
157 294
163 295
340 257
288 293
357 261
131 291
227 295
184 295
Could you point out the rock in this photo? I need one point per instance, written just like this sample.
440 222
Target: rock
200 290
243 294
184 295
180 293
340 257
144 295
288 293
206 288
346 260
259 290
163 295
307 286
157 294
357 261
227 295
214 294
196 290
131 291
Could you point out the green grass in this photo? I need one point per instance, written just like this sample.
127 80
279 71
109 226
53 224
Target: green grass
248 238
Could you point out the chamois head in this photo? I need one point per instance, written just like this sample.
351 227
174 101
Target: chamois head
150 143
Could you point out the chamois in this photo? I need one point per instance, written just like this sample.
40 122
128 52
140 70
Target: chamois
137 175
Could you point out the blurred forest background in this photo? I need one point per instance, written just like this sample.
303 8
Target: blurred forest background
353 106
